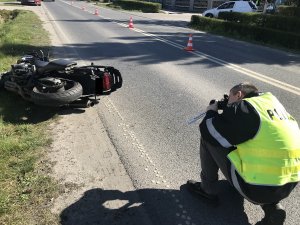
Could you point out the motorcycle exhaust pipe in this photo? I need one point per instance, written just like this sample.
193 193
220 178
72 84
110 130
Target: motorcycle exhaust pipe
90 104
81 104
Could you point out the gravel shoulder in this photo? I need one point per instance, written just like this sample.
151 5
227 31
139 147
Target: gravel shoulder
85 162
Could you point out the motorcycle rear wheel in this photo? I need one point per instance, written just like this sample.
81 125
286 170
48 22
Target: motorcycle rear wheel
72 91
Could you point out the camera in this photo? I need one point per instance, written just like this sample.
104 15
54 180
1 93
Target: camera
221 103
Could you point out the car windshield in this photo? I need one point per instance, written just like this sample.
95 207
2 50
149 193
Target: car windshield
227 5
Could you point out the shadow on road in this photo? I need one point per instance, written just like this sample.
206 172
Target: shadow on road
146 50
163 206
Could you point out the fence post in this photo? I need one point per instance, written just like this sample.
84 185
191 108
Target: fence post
209 4
191 8
173 4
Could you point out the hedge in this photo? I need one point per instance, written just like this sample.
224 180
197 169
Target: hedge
288 11
275 22
147 7
244 31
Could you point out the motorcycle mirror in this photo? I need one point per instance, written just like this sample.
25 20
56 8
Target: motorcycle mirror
41 51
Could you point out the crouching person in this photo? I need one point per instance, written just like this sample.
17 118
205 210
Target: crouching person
255 142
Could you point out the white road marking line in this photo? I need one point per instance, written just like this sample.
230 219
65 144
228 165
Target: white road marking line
157 178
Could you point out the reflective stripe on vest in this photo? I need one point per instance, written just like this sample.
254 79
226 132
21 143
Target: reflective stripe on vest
216 135
272 157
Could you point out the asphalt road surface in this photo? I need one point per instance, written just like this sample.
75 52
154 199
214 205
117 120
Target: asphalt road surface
164 86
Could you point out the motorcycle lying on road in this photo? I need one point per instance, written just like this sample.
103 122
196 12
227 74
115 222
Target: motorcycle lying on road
59 82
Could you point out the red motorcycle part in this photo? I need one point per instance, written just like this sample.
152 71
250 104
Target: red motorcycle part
106 82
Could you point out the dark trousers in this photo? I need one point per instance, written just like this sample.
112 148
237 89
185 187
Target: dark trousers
214 158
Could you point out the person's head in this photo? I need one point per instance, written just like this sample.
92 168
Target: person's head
239 91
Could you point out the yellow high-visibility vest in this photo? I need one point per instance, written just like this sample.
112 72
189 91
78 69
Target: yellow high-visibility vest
272 157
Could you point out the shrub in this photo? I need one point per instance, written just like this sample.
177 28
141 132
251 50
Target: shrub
276 22
244 31
289 11
147 7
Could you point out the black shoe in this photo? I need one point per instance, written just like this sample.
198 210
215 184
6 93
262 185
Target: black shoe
274 215
195 187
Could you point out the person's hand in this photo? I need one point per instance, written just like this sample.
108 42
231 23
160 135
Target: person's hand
213 106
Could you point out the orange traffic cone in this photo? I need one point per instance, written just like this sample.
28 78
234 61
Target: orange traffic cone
130 23
189 46
96 12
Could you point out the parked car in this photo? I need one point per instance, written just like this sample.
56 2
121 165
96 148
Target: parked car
231 6
31 2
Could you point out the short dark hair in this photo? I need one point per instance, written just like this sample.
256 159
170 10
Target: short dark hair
246 88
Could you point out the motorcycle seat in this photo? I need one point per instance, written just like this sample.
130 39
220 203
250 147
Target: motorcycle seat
54 65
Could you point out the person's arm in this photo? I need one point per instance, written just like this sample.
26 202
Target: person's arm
238 123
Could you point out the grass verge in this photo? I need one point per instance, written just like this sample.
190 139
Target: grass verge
7 1
26 191
20 32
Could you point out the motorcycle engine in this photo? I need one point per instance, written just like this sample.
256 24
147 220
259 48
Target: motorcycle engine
21 72
22 69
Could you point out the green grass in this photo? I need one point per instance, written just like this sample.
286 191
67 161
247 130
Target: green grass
26 190
7 0
21 33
